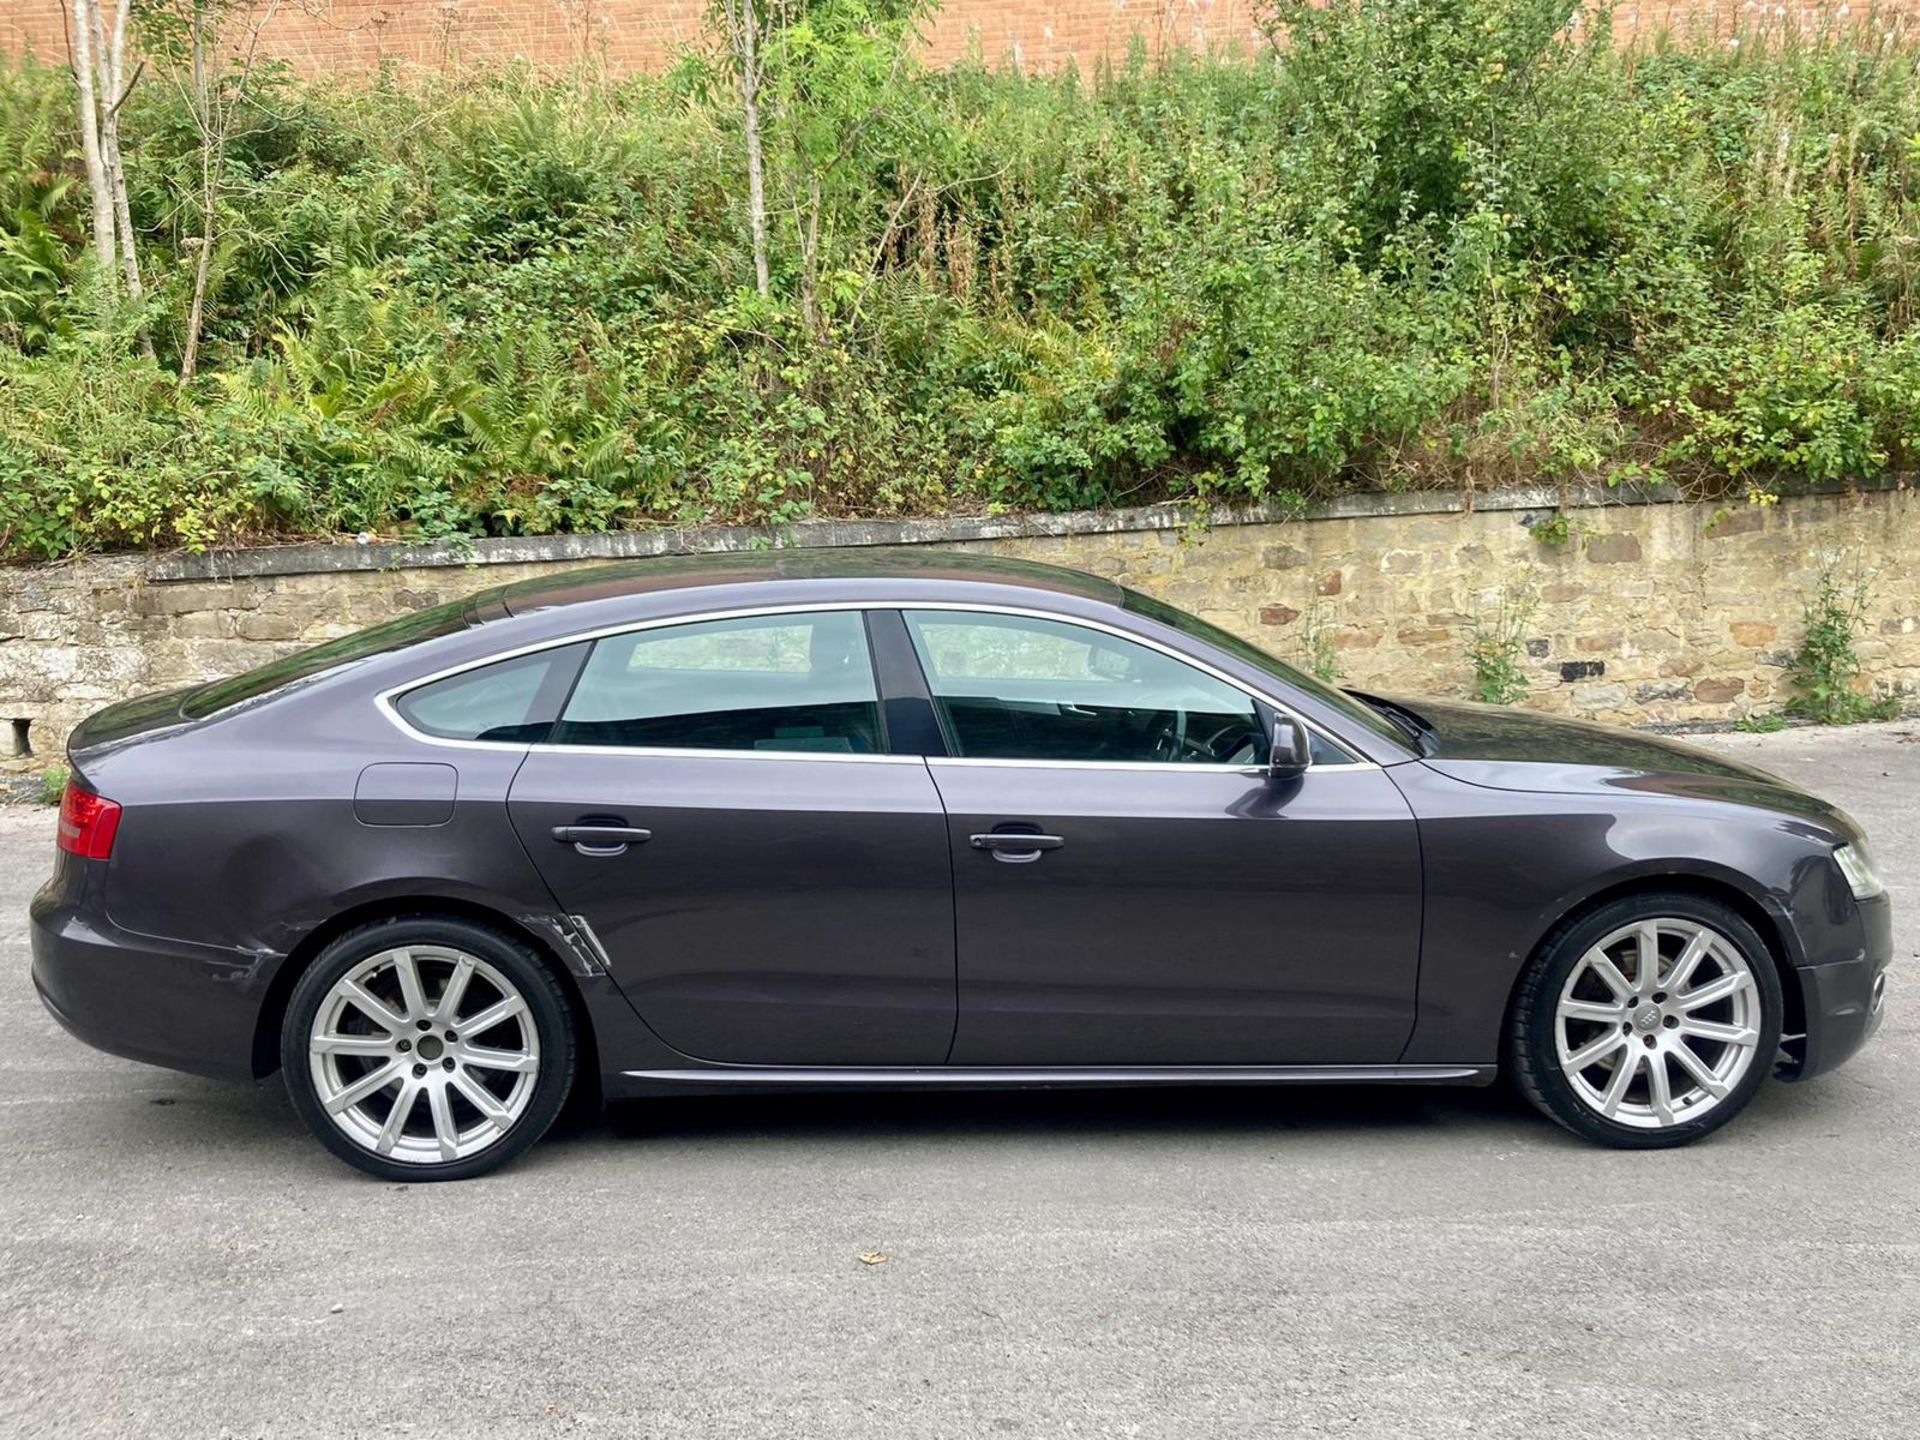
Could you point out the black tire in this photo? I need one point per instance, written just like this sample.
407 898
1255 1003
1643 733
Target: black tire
547 1010
1534 1056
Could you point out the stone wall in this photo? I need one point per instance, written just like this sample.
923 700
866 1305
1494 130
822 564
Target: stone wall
1651 611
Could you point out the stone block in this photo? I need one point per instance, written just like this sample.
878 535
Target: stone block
1654 690
1599 697
1743 520
1619 548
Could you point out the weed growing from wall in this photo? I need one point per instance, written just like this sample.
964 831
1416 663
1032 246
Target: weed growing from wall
1826 666
1495 644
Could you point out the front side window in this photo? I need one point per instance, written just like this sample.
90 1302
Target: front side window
798 683
1012 687
1202 630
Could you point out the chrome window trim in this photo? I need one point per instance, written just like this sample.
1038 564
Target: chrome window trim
384 701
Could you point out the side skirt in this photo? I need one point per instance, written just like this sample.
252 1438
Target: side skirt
990 1077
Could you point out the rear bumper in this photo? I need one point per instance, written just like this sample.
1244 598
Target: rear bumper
185 1007
1845 1000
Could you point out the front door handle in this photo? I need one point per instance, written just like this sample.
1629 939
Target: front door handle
601 840
1014 846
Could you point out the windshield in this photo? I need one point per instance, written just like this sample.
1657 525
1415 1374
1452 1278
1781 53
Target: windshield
376 640
1352 709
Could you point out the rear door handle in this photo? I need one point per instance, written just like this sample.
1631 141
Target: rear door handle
1015 847
601 840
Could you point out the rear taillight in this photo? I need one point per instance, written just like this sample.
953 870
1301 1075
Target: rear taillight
88 823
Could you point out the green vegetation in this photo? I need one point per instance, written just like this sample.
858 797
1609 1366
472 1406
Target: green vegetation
1761 725
1427 244
53 786
1826 667
1494 646
1559 530
1317 651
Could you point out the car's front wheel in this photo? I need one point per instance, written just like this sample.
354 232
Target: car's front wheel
427 1048
1648 1022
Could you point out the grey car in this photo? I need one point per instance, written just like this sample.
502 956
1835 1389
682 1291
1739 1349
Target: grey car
757 822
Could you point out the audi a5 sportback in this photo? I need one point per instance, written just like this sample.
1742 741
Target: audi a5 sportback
818 818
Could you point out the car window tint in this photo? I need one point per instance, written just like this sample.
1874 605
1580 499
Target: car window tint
495 702
1022 688
800 683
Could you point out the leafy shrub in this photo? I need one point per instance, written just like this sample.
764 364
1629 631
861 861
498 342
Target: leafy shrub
1448 243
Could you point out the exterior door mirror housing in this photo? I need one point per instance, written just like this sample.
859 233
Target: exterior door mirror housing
1291 751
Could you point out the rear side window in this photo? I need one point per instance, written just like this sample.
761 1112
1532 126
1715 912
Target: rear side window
794 683
513 700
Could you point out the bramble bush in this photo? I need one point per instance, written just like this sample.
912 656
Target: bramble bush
1411 243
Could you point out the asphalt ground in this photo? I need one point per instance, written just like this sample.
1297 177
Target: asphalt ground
180 1259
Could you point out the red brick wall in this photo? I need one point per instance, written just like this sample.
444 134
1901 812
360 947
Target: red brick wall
638 34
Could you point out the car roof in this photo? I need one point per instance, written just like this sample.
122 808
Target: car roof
750 567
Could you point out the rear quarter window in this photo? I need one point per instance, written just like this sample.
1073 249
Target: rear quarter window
511 700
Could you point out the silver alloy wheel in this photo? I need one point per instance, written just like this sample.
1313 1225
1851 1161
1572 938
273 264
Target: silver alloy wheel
423 1080
1658 1023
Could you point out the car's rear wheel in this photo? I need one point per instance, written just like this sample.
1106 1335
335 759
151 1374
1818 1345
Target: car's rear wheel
428 1048
1647 1023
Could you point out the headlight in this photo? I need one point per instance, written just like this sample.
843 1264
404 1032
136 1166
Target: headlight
1857 865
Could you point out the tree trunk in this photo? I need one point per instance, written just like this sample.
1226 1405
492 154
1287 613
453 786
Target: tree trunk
747 59
111 52
810 261
111 49
212 145
90 150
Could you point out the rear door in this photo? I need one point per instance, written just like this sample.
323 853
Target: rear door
1173 906
771 886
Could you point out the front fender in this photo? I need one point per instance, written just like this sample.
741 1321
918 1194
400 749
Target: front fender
1502 868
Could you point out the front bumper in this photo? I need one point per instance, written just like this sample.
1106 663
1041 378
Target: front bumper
1845 1000
186 1007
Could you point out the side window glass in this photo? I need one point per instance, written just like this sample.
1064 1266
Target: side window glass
1012 687
495 702
800 683
1325 752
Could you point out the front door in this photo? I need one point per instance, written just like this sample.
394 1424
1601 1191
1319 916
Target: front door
1174 907
770 886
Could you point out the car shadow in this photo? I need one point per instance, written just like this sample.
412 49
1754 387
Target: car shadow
186 1112
1200 1110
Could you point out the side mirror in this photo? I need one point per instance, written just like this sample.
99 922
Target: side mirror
1291 752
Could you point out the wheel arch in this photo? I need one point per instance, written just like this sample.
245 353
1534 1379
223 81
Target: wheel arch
273 1007
1769 925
